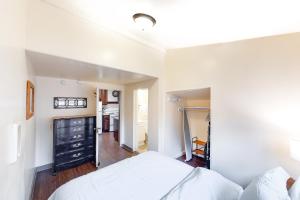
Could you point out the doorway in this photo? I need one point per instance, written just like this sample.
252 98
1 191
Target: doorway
107 119
140 120
189 114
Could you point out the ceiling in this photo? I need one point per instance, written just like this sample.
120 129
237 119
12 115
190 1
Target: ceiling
183 23
203 94
58 67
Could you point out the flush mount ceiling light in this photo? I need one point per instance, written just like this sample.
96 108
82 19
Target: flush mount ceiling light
144 21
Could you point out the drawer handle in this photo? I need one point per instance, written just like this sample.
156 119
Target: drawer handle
76 136
76 145
76 155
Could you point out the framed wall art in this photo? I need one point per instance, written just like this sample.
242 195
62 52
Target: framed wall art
69 102
29 100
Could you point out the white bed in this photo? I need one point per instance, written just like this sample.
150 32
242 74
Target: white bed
148 176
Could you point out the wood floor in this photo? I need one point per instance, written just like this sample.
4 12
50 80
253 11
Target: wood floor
110 152
195 162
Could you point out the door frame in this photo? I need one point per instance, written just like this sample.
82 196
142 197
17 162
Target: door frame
98 123
121 121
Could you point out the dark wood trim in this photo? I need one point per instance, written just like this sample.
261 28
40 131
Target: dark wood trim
103 97
124 146
194 162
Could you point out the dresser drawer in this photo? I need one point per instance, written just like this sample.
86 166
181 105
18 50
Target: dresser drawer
76 137
70 156
77 129
77 122
62 123
66 135
69 147
70 130
73 163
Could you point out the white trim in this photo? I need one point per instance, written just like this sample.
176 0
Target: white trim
121 118
97 134
134 119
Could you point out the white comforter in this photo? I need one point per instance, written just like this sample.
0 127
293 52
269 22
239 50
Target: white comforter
148 176
204 184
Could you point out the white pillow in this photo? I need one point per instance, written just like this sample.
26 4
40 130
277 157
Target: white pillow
295 190
270 186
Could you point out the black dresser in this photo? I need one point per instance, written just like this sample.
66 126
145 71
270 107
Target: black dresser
74 141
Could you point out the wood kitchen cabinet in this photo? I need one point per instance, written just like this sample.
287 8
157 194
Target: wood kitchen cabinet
106 123
109 97
103 97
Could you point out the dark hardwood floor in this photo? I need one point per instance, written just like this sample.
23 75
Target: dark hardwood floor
46 184
195 162
110 152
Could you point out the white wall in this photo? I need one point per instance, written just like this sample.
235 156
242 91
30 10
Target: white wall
16 178
46 89
54 31
254 100
153 113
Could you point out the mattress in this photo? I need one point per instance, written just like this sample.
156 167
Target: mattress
148 176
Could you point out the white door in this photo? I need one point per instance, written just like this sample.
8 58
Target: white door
140 117
98 124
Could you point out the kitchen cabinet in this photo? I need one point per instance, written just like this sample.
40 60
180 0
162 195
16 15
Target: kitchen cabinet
103 97
109 97
106 123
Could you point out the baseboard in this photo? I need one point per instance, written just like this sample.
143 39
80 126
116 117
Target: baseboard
44 167
124 146
33 184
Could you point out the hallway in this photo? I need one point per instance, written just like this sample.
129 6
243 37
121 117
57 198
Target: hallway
110 150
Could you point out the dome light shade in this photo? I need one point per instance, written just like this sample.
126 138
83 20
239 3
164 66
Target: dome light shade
144 21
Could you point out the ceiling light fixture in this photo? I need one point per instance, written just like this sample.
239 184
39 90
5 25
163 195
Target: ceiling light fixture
144 21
